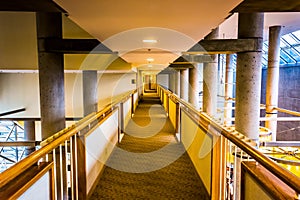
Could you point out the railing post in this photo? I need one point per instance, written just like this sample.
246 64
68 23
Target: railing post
122 121
216 168
81 168
74 167
177 123
132 104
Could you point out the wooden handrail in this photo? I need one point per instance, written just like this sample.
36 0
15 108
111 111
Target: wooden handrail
286 176
53 142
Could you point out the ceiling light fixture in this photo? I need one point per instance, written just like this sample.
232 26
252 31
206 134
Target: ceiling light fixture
150 59
149 41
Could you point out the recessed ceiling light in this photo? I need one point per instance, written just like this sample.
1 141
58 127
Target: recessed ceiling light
149 41
150 59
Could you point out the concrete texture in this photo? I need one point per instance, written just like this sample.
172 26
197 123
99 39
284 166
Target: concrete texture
248 77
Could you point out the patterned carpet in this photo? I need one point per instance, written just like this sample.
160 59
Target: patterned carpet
149 163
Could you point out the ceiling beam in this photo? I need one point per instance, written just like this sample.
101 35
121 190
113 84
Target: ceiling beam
179 66
250 6
73 46
30 6
225 46
198 58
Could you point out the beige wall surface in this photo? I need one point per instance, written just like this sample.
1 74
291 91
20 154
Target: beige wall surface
18 43
199 148
21 90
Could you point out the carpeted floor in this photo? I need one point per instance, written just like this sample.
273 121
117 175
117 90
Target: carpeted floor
149 163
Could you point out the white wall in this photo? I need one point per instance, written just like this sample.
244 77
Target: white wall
111 85
39 190
18 90
73 95
99 145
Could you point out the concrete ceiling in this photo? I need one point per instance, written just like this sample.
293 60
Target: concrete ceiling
122 25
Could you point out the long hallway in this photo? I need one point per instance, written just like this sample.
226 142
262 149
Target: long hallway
149 163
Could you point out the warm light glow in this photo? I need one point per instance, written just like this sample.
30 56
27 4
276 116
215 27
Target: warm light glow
150 41
150 59
149 65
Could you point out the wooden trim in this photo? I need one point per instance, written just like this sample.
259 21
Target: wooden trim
74 167
81 168
216 168
15 188
52 184
177 122
272 185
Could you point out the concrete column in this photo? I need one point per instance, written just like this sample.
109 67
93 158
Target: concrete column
248 77
228 88
210 80
172 81
52 94
273 78
29 135
90 100
184 84
194 90
177 82
51 76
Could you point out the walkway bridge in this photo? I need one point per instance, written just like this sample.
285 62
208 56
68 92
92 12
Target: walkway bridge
155 146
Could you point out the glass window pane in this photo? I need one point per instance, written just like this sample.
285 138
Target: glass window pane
293 53
264 61
286 57
297 34
289 39
265 47
282 62
283 44
297 48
